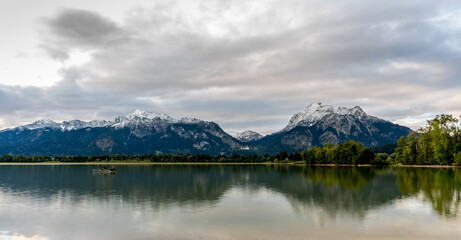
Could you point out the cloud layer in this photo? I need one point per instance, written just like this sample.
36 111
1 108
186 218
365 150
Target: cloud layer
250 64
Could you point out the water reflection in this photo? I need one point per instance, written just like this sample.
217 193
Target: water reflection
255 197
440 187
351 189
348 177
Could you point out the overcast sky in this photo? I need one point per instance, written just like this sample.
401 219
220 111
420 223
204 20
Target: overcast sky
241 63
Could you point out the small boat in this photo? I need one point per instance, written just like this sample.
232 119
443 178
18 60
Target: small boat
103 170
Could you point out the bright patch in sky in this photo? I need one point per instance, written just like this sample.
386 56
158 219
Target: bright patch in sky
77 58
29 70
37 70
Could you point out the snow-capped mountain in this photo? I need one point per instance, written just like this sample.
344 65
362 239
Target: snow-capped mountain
317 111
246 136
146 132
64 126
140 117
136 121
42 123
321 123
137 118
136 133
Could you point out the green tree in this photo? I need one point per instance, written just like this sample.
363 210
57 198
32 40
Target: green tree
400 150
411 149
365 156
436 143
8 158
457 159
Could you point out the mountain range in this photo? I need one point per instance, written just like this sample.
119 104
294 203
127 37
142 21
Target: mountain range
146 132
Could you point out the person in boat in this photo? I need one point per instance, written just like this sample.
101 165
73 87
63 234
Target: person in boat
104 169
112 168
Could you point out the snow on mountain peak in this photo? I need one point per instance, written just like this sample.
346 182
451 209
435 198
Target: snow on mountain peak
142 118
140 122
64 126
99 123
316 111
149 115
190 120
246 136
139 112
136 119
42 123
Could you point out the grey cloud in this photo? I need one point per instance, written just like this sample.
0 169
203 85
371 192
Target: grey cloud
59 54
84 28
231 62
80 29
339 51
64 101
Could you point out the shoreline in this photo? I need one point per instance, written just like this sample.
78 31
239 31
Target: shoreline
146 163
427 166
218 163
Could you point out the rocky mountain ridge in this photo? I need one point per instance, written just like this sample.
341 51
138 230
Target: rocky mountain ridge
315 112
136 133
321 123
246 136
147 132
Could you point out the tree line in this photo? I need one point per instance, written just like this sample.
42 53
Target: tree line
439 143
347 153
160 157
350 153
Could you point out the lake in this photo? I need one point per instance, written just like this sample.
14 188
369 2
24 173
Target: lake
229 202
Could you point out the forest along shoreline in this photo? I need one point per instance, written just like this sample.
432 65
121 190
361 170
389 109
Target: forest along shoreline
298 164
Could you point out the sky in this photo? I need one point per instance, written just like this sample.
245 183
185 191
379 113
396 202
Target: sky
244 64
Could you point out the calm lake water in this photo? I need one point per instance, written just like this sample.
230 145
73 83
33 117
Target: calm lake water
229 202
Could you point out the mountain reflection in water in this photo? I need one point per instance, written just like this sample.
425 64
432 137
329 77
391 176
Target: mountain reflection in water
322 193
